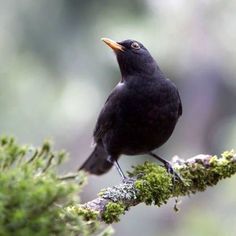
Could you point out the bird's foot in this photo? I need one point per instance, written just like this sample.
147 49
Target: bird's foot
170 170
127 180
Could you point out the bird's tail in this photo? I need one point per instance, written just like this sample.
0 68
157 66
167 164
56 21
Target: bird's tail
97 162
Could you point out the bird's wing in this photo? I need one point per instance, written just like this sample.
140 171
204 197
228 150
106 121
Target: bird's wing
180 111
107 116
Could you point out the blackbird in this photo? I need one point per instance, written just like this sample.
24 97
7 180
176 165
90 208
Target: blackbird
139 115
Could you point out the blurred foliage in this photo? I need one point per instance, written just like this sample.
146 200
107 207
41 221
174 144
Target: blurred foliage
33 200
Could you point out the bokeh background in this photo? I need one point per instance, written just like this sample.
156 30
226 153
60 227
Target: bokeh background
55 75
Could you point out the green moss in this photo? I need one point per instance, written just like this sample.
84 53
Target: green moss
201 175
154 184
228 155
112 212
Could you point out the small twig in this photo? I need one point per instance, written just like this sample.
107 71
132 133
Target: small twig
49 162
33 157
70 176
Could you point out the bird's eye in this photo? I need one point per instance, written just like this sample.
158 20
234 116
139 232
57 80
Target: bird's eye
135 45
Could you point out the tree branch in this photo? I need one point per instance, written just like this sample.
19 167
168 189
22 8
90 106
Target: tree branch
151 184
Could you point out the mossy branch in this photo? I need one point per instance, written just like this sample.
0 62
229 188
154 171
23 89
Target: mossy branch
151 184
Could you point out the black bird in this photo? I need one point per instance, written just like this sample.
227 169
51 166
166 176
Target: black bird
139 115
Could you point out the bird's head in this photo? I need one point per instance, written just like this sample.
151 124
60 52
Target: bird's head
133 57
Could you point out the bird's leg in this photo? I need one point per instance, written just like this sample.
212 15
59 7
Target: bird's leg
115 162
167 165
120 170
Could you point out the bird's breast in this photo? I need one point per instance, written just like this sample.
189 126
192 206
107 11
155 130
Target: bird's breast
146 114
149 103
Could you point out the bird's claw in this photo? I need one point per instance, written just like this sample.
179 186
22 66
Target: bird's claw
170 170
128 180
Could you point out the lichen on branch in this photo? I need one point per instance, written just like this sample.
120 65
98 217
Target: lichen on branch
150 183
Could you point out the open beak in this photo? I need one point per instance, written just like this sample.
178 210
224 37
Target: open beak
112 44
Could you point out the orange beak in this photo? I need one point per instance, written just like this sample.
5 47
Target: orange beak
113 45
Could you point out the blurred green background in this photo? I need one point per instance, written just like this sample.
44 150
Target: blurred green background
55 75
